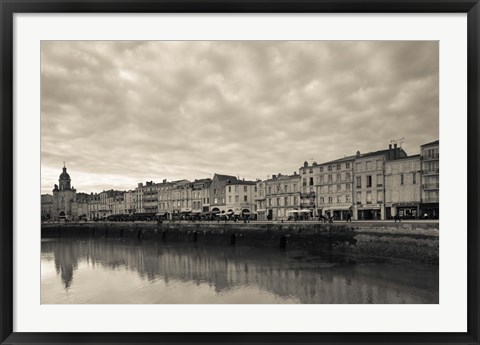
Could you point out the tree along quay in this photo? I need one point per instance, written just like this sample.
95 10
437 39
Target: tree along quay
417 242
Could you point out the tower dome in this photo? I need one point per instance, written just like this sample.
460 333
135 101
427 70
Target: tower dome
64 175
64 179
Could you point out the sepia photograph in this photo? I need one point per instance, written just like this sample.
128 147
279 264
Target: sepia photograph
239 172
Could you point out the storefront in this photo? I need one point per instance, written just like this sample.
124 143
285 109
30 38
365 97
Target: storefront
429 211
406 210
337 212
369 212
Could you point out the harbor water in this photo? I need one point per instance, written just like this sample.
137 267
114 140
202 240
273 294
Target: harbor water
125 271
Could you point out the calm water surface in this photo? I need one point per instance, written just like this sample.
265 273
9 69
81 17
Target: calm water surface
121 271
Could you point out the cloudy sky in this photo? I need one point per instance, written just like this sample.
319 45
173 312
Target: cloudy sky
119 113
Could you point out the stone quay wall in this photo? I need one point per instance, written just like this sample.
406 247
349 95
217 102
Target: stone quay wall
416 242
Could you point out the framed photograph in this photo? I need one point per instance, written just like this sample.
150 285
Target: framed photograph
239 172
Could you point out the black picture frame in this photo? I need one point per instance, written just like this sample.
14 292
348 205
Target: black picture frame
9 8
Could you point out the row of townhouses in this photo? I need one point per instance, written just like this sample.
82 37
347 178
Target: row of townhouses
373 185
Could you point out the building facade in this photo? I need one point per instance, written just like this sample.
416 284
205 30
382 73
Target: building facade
403 178
283 195
218 200
309 175
430 157
335 188
240 197
46 202
369 184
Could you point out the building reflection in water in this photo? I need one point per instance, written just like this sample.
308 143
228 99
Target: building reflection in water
308 279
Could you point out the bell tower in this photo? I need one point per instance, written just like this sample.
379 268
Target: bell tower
64 179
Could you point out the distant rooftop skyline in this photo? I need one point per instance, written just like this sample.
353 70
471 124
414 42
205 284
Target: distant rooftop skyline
119 113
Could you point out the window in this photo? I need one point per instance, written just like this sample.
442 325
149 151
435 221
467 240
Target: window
330 188
285 201
359 181
311 181
330 200
237 199
414 177
321 169
269 202
320 179
244 188
339 199
269 190
339 187
358 166
369 180
215 191
339 166
286 188
278 188
229 189
347 165
379 180
295 200
369 197
347 177
329 168
223 200
348 186
329 178
255 189
278 201
379 196
236 188
294 187
310 170
379 164
245 198
321 200
401 179
230 199
304 171
215 200
348 198
339 177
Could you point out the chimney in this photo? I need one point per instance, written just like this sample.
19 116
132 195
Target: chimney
395 151
274 177
164 180
389 156
358 154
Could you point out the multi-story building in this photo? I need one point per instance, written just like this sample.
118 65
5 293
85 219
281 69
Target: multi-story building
217 192
165 203
46 201
81 205
108 202
181 194
335 188
147 197
403 187
240 197
309 174
369 184
430 179
283 195
130 202
94 206
201 195
261 200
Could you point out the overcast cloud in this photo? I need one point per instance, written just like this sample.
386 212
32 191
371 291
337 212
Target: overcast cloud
120 113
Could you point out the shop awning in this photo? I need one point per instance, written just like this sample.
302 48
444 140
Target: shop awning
337 208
